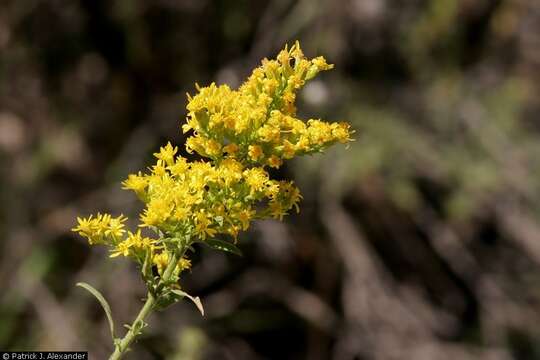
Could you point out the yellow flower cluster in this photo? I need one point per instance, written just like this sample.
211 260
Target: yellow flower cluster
241 132
135 245
101 229
202 199
257 123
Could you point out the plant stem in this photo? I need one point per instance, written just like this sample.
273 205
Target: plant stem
136 327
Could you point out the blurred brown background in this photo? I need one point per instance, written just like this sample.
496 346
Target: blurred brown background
421 241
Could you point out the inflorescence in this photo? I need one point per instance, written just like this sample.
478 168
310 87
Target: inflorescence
239 134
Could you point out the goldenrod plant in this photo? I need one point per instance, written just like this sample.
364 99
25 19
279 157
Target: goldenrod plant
239 134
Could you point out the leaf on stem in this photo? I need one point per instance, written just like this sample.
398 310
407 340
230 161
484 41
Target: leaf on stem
223 246
147 265
196 300
102 301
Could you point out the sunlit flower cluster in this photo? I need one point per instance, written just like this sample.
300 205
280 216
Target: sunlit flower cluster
240 133
203 199
101 229
257 123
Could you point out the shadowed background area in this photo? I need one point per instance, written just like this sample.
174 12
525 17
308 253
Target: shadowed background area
421 241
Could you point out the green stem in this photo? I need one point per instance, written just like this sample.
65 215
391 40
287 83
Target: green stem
135 329
137 325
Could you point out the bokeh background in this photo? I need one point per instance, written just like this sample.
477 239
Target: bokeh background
421 241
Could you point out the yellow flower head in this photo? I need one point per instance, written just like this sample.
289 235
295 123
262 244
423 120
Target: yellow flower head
101 229
255 152
166 153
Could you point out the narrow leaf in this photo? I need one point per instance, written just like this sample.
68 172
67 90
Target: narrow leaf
196 300
147 265
102 301
223 246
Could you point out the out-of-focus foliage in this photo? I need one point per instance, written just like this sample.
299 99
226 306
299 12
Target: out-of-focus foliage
422 241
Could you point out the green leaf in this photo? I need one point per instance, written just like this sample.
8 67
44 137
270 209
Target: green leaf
196 300
223 246
147 265
102 301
